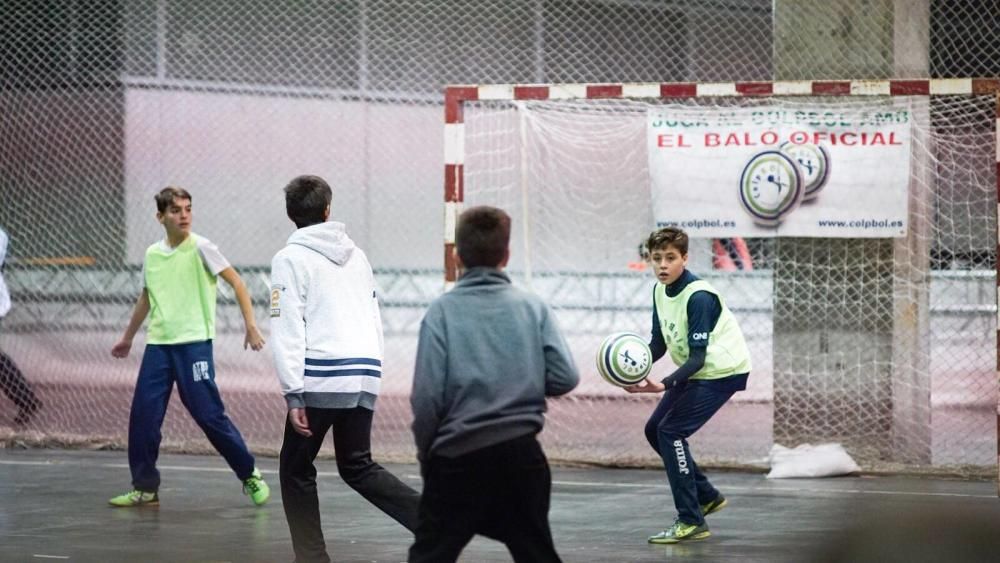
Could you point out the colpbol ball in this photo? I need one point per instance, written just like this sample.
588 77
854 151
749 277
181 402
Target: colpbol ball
770 187
624 359
814 163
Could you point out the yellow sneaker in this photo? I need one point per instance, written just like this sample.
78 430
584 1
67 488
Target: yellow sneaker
681 532
256 488
135 498
716 505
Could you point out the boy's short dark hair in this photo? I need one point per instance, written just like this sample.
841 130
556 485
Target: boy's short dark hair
167 196
482 236
668 236
306 200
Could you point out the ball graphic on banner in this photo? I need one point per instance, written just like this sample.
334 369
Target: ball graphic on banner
770 187
624 359
814 163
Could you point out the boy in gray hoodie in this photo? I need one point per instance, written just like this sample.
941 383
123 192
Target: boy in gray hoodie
327 335
488 356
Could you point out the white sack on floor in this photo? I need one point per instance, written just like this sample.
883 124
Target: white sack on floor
823 460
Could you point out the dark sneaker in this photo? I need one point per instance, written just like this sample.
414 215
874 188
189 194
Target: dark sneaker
681 532
716 505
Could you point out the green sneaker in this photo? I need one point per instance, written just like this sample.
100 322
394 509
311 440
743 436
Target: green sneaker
716 505
255 486
134 498
681 532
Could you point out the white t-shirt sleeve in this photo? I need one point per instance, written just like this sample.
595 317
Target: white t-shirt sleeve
214 261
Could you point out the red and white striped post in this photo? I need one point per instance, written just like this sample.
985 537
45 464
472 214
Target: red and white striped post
454 158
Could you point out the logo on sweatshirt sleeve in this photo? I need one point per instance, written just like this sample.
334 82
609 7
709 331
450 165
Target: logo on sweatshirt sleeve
276 300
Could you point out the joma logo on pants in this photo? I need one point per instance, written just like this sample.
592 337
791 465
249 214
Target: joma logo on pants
682 460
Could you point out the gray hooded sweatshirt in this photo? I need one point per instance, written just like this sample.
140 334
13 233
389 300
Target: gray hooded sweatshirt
488 356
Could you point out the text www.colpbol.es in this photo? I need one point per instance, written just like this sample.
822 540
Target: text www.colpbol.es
697 223
863 223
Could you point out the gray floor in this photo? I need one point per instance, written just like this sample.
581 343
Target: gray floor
52 508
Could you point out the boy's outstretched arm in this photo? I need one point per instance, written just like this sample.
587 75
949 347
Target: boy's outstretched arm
123 346
254 339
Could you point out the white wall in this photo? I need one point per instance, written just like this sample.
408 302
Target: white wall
235 153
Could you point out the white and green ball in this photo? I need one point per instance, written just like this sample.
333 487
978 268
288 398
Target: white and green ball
814 163
771 187
624 359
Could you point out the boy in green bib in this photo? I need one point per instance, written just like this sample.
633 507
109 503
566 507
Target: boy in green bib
179 288
692 322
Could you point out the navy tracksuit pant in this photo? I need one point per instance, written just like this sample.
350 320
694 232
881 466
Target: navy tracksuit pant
681 412
191 367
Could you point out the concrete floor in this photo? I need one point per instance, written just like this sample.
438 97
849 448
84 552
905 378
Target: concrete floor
53 508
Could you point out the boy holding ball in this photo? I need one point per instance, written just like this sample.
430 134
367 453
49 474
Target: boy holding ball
692 322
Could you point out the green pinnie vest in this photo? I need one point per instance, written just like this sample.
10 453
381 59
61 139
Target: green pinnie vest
727 352
181 295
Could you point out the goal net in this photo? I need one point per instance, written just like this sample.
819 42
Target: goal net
867 304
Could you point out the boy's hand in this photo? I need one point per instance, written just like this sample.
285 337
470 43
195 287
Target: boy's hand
254 339
646 386
300 423
121 348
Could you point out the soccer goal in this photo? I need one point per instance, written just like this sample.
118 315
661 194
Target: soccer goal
865 218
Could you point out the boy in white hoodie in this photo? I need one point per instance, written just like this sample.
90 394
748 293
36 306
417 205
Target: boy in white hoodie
327 340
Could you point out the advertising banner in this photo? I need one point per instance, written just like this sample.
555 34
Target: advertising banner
795 170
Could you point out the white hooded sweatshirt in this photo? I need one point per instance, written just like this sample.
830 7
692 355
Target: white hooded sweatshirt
326 330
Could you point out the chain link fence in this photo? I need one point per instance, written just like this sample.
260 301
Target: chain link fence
104 103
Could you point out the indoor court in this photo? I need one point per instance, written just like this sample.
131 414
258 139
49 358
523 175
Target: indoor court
53 509
836 165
